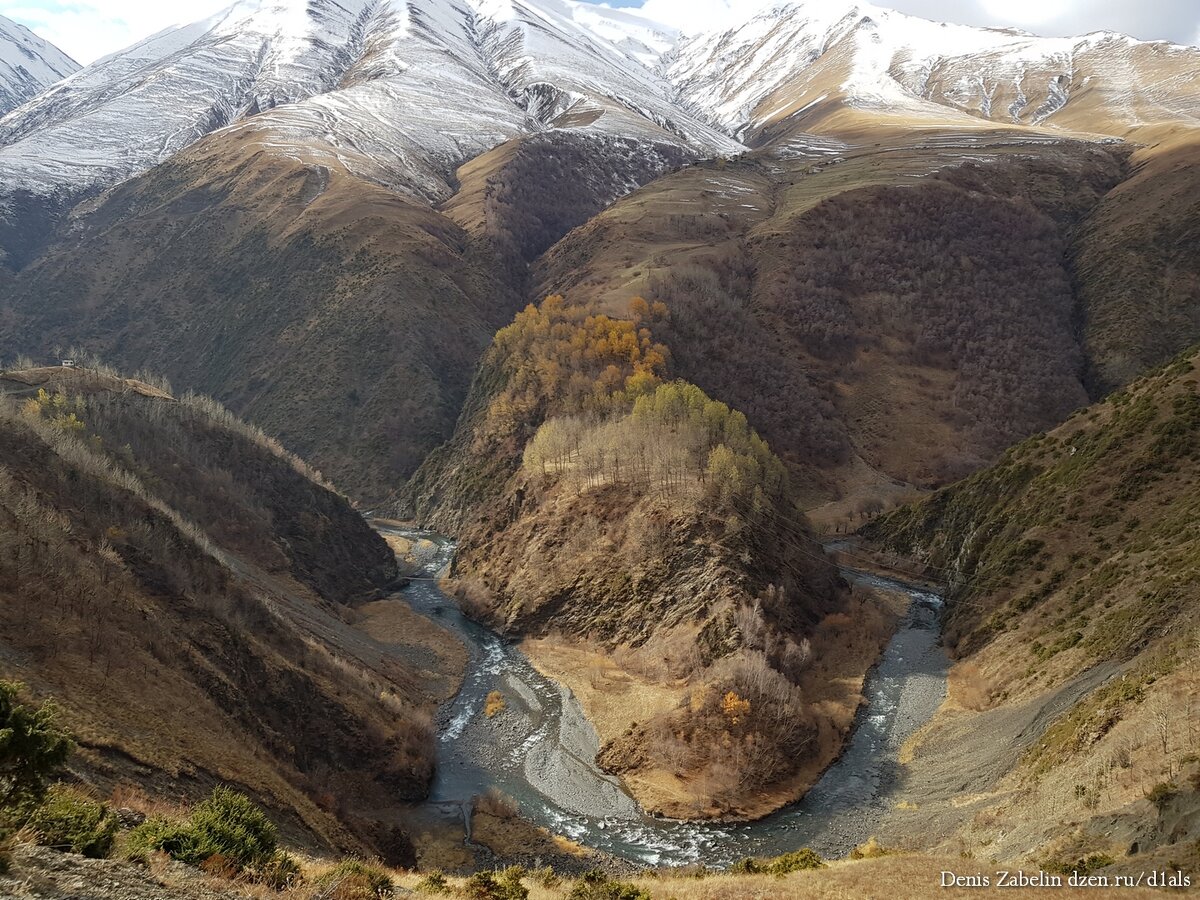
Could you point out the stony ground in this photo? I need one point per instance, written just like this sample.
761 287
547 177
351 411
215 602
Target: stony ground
48 875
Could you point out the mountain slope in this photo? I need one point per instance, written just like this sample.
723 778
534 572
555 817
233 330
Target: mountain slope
327 81
840 68
185 589
28 64
338 314
1137 267
233 257
891 316
351 83
1074 560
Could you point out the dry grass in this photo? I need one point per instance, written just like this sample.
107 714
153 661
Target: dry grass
494 704
613 697
913 877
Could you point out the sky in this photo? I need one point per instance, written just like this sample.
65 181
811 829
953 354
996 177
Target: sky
89 29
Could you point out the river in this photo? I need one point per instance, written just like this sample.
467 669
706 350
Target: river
540 750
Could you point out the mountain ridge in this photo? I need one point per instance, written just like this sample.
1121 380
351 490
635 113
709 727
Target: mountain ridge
325 81
28 64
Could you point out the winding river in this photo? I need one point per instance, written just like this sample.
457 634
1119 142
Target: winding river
540 751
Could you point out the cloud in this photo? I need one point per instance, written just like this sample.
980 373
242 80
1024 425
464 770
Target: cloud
702 15
89 29
1173 20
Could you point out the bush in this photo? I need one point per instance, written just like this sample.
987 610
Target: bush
505 885
796 861
1160 794
595 885
226 824
434 883
353 879
280 871
1084 865
68 820
870 850
32 745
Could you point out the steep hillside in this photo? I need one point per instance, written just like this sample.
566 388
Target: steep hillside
323 212
527 193
28 64
1075 574
607 508
890 316
1137 265
336 314
188 591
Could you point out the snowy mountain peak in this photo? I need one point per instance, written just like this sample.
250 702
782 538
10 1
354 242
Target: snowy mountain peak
404 91
28 64
801 57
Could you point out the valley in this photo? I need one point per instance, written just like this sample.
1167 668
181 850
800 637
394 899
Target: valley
539 750
744 459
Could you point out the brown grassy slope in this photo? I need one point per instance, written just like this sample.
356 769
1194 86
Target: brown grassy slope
1137 262
162 569
901 306
1080 549
592 505
340 316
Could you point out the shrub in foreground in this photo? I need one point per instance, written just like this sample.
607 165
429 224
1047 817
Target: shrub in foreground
226 824
796 861
69 821
280 872
353 879
32 746
872 849
595 885
503 885
433 883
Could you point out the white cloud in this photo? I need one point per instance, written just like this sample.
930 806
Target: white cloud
1025 12
1174 20
89 29
702 15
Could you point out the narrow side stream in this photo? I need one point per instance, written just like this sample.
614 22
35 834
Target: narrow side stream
540 750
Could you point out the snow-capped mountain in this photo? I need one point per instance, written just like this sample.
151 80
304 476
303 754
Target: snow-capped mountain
806 58
28 64
404 91
401 92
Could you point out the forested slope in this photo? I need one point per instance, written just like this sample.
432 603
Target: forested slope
184 587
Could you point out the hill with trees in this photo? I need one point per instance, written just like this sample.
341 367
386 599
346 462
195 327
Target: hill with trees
601 504
886 317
